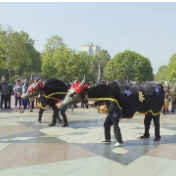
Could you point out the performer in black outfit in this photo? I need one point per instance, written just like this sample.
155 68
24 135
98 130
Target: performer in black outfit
113 118
147 122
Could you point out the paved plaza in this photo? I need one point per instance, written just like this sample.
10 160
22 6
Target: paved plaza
28 148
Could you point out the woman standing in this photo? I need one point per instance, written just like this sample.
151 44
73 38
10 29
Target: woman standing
17 93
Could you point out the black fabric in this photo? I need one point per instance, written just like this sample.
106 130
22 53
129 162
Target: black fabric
42 100
113 119
111 106
55 115
4 99
55 86
50 87
5 89
8 101
147 123
40 114
131 104
173 107
64 116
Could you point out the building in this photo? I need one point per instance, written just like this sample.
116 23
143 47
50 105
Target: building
91 49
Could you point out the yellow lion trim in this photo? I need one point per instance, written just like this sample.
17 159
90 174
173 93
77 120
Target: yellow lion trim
49 96
111 99
40 106
106 99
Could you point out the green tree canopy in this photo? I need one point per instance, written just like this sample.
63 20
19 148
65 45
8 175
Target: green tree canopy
49 68
171 70
129 66
161 74
17 52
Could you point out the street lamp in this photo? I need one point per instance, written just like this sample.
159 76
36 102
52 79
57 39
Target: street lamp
99 76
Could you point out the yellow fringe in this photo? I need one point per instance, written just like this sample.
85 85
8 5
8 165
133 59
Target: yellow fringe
49 96
111 99
40 106
106 99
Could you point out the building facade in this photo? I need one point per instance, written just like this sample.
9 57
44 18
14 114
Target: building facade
91 49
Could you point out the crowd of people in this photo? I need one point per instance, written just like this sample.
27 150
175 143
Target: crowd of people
170 99
6 90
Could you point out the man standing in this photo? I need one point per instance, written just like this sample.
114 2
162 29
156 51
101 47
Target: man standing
5 92
9 97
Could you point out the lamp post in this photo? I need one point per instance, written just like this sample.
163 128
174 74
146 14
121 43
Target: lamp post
99 76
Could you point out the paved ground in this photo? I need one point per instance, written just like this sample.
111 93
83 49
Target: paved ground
28 148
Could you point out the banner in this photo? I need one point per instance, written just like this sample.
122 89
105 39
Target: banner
35 77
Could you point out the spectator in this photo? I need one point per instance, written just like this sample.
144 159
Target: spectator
17 93
24 102
173 94
5 92
9 97
167 100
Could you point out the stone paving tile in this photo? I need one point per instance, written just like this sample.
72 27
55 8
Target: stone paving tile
50 150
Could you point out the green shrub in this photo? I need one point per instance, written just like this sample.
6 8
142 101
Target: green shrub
12 79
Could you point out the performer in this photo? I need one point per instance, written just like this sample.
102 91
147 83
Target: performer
17 93
113 119
147 122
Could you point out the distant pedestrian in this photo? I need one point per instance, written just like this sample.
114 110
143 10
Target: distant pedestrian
5 92
17 93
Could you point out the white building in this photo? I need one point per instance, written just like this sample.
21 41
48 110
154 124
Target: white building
91 49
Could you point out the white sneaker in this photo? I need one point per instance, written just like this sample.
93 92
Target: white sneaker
117 144
106 141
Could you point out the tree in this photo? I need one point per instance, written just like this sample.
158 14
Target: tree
171 71
18 53
161 74
91 69
103 57
70 65
53 44
106 54
129 66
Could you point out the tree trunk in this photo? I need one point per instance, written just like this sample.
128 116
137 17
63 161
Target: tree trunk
9 67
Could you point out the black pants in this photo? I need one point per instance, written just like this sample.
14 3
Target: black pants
64 116
9 101
56 115
147 122
4 98
173 106
112 119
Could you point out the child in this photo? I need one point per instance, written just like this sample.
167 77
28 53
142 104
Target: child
17 93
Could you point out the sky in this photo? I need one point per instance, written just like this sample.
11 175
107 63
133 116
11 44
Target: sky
146 28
